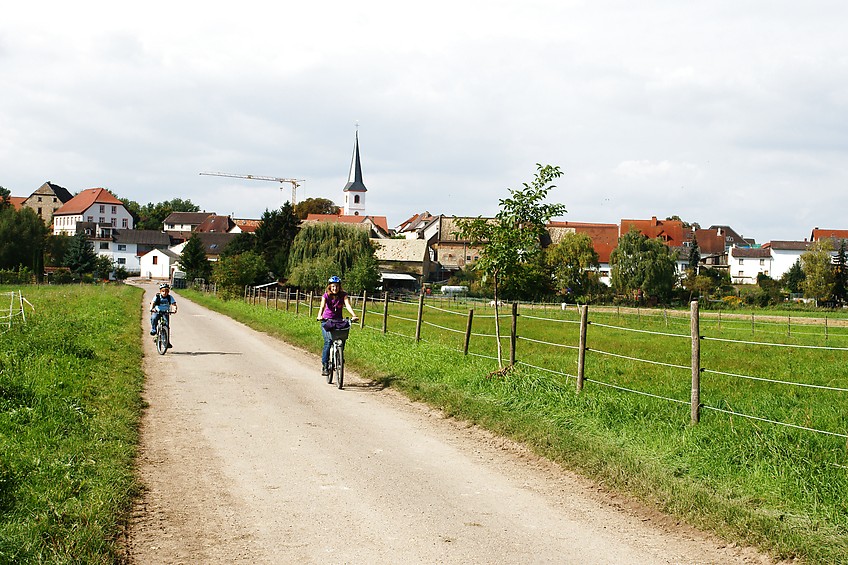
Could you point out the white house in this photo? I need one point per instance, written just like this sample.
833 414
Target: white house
93 205
784 254
745 263
159 264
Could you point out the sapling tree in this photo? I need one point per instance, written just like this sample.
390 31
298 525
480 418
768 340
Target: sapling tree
513 236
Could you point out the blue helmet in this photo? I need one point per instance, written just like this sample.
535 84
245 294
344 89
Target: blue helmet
334 279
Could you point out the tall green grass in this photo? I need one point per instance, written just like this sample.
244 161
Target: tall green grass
779 488
70 403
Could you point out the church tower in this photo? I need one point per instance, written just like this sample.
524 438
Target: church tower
354 190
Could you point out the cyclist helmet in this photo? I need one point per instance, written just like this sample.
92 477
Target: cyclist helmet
334 279
164 285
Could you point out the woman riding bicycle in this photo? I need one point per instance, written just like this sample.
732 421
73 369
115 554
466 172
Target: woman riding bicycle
333 303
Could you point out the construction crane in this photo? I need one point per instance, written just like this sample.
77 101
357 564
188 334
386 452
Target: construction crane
294 182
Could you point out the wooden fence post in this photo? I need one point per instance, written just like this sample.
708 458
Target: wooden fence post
311 299
297 301
825 327
386 311
513 333
695 330
364 303
468 331
419 318
288 294
245 293
267 292
581 350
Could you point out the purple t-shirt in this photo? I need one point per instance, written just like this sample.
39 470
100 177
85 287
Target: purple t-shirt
335 306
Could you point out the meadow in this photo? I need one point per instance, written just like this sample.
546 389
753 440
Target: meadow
70 404
766 465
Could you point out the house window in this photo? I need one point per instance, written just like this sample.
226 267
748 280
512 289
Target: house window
155 260
39 199
762 262
39 211
740 275
54 199
104 245
124 223
468 257
114 222
122 261
91 218
102 208
740 261
122 247
114 209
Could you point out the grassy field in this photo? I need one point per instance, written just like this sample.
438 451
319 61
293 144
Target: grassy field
779 487
70 403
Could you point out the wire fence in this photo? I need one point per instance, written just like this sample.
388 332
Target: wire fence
16 310
645 353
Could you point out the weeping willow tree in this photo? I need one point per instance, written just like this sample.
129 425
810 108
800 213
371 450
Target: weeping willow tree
323 249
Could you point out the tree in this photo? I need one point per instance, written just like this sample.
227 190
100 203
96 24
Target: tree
234 272
5 197
793 279
694 255
80 257
321 250
315 206
572 261
152 216
23 237
274 238
241 243
819 280
514 236
103 267
193 260
642 264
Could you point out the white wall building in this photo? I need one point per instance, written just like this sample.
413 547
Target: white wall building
745 263
784 254
93 205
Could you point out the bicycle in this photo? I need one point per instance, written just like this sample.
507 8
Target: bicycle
335 363
162 339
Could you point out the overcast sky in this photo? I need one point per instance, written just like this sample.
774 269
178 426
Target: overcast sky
722 112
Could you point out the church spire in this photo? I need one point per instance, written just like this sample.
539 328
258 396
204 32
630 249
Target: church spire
354 190
354 178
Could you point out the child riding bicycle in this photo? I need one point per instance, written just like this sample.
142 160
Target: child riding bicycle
161 306
333 303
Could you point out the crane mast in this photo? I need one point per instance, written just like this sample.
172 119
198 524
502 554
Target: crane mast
294 182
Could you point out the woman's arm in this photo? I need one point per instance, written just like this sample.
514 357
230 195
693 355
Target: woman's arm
321 307
350 308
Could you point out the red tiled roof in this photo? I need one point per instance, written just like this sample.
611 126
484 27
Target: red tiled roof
85 200
215 224
17 201
828 234
247 226
379 221
670 231
710 242
604 236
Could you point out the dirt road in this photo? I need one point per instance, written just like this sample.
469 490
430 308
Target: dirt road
248 456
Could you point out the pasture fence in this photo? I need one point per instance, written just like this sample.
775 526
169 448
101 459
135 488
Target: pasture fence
16 309
549 338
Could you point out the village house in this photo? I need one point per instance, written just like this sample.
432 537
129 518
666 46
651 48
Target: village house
45 200
93 206
403 263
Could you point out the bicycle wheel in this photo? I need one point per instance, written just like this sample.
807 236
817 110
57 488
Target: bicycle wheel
162 339
340 366
330 364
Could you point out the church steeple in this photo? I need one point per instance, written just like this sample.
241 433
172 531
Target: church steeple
354 202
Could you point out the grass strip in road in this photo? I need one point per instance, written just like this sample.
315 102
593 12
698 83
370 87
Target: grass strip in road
70 404
779 489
